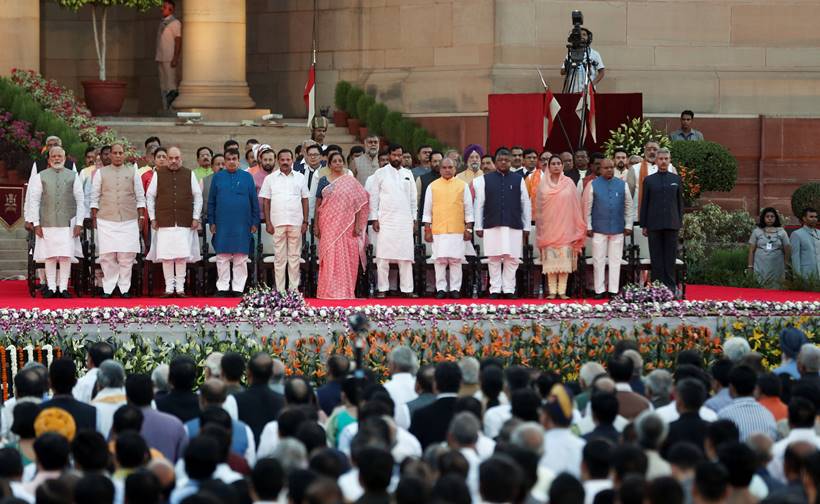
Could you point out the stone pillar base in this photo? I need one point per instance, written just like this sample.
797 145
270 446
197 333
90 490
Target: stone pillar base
213 95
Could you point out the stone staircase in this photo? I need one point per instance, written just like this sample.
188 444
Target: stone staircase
13 258
289 134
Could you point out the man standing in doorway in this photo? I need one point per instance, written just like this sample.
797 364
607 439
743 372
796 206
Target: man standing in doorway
169 48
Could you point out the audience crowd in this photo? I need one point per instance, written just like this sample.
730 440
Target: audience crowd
237 430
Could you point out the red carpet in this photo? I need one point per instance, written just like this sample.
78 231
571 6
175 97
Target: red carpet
14 294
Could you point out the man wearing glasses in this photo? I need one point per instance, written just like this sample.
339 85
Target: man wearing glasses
313 163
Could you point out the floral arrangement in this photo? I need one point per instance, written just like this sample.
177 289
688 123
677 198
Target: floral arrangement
632 137
61 102
20 134
13 358
265 297
691 188
656 292
562 348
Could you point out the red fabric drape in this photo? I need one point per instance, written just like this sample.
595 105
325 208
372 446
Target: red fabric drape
518 119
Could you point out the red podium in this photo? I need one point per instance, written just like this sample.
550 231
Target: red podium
518 119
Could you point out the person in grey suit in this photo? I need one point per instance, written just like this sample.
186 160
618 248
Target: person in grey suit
806 246
661 216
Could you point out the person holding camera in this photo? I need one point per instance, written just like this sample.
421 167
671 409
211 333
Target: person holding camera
591 60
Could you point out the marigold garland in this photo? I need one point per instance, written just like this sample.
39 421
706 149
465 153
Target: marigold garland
4 377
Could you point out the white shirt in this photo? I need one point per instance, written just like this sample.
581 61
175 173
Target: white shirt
84 388
352 489
775 466
402 388
669 413
595 65
592 487
108 401
406 444
311 187
563 452
285 193
393 202
170 28
268 440
494 419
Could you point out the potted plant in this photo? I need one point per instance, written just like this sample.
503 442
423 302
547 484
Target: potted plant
354 121
340 100
363 106
104 96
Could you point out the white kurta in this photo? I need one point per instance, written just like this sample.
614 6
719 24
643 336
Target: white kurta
56 241
114 236
502 240
175 242
450 245
393 202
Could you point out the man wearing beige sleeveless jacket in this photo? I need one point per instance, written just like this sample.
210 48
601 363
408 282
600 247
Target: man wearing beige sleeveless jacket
117 211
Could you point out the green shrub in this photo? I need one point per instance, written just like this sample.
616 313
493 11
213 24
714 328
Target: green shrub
632 136
363 106
711 228
713 166
353 100
375 119
807 195
340 94
406 131
391 125
420 137
801 283
435 144
725 267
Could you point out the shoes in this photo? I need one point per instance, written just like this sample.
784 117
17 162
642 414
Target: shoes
48 294
441 295
455 295
126 295
235 294
381 295
105 296
552 296
166 295
65 294
599 295
511 295
495 295
411 295
564 296
181 295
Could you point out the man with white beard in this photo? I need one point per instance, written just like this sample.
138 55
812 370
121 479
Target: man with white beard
117 212
56 212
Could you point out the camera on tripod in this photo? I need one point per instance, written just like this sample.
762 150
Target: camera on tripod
576 44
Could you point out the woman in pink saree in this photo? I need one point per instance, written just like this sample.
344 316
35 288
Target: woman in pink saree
560 224
342 206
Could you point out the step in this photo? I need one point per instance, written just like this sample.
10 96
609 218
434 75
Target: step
12 274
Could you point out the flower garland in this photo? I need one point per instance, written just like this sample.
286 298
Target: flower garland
4 376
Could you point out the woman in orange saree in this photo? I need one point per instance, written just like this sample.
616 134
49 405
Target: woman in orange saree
342 206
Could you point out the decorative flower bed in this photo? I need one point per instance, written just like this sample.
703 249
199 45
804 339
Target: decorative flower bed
62 103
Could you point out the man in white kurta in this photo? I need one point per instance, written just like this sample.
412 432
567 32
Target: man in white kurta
393 208
448 219
503 222
169 205
56 211
117 212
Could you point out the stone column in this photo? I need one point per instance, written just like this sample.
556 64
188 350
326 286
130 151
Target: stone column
20 26
213 56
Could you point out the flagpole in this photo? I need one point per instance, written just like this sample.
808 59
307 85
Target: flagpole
557 116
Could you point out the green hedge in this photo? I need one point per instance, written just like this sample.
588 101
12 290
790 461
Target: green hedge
806 196
714 167
724 267
382 121
23 107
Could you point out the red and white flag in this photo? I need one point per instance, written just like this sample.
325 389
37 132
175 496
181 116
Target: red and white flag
590 125
310 94
551 108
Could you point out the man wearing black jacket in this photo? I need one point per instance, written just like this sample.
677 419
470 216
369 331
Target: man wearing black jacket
181 401
429 424
258 404
689 397
62 376
661 216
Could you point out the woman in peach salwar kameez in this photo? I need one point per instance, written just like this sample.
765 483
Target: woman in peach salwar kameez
342 206
560 224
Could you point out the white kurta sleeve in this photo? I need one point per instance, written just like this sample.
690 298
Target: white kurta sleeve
138 190
526 206
427 213
374 190
479 206
27 201
197 192
586 205
96 186
468 204
151 198
414 200
629 209
33 198
79 200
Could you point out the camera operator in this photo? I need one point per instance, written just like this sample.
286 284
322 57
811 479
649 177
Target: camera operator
591 59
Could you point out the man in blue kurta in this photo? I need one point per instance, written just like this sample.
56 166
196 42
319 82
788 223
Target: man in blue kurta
234 212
